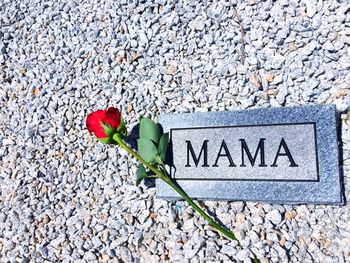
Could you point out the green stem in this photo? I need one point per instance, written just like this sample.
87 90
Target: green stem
210 220
181 192
119 140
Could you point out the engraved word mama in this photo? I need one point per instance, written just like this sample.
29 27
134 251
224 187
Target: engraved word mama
223 156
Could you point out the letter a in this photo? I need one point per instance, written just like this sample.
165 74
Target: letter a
286 153
227 154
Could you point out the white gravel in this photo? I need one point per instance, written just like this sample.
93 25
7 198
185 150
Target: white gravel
65 197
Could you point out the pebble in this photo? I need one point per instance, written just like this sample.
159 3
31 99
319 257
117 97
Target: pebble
274 216
278 61
242 255
310 7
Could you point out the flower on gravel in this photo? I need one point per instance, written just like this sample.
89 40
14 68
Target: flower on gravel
105 123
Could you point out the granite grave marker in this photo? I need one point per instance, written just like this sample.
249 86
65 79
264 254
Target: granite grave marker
276 155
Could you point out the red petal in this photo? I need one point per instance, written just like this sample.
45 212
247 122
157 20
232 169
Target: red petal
112 117
93 123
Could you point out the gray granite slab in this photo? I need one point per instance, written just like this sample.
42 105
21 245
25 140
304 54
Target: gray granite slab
275 155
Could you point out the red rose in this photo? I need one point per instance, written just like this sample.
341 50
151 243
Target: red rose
105 123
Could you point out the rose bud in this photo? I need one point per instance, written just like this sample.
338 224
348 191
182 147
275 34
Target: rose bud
105 123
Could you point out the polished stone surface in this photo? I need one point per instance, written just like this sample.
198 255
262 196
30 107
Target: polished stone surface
275 155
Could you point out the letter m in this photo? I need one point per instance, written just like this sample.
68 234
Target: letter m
203 151
260 149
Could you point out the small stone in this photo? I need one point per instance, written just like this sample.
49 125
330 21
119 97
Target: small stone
264 95
171 69
290 214
328 46
277 79
104 258
340 93
242 255
240 219
120 59
292 46
197 24
239 233
229 250
7 142
136 57
105 235
46 219
269 77
313 83
310 7
44 189
309 48
283 241
143 37
130 108
36 91
278 61
274 216
255 80
272 92
153 215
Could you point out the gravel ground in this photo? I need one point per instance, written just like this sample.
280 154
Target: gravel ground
65 197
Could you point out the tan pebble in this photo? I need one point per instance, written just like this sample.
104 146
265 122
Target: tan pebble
282 241
79 154
341 93
153 215
105 18
46 219
272 92
23 71
87 220
240 218
104 258
292 46
164 257
44 189
36 92
130 108
104 216
290 214
85 236
324 242
171 69
269 77
105 235
51 39
264 95
74 169
262 235
136 56
20 87
60 154
119 59
255 80
129 219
